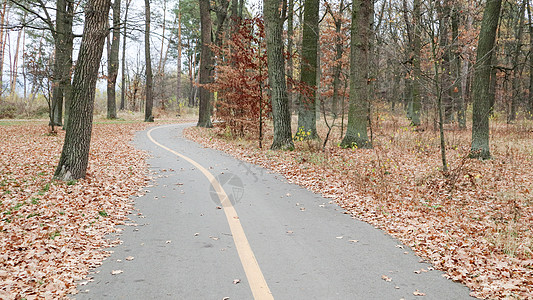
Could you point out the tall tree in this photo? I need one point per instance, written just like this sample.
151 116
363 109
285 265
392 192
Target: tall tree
75 153
112 65
482 72
3 35
515 82
457 88
64 41
149 96
358 114
123 79
178 63
308 72
276 76
416 101
206 65
529 113
290 43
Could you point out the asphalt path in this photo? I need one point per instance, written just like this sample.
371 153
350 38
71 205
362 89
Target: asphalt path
267 239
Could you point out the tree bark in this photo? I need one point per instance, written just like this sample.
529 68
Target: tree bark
75 154
64 40
457 87
416 104
308 70
529 113
515 81
480 89
206 65
276 76
178 77
112 65
123 79
290 44
3 35
358 114
149 96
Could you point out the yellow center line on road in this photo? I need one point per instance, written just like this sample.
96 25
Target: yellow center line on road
255 277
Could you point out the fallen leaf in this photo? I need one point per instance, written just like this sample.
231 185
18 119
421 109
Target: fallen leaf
116 272
418 293
386 278
339 237
129 258
168 242
235 281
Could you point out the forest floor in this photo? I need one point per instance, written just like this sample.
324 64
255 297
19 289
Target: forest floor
52 232
475 222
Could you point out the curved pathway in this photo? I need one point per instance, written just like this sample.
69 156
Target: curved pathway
214 227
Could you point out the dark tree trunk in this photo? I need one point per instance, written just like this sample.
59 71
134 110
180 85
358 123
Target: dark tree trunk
481 85
63 39
123 87
178 78
112 65
206 65
416 106
529 113
276 76
149 97
75 155
446 68
308 70
515 81
358 114
457 90
290 44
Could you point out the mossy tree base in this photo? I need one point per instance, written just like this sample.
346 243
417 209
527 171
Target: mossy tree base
355 142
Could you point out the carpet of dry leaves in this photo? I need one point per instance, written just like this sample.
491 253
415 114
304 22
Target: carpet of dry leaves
475 223
52 232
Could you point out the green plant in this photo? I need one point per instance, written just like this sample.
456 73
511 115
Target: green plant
103 213
54 234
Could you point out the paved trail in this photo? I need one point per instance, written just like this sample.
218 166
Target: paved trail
268 239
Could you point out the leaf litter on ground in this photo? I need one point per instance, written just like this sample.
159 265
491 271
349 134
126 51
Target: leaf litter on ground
474 223
52 232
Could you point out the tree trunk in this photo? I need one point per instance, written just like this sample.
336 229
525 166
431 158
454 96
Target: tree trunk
276 76
3 35
416 103
529 113
75 155
149 97
480 89
308 70
290 44
63 58
515 81
14 74
206 65
446 79
123 86
112 65
178 78
356 131
338 65
457 90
